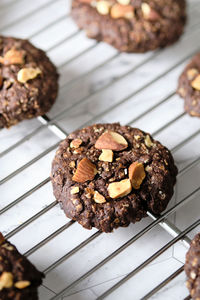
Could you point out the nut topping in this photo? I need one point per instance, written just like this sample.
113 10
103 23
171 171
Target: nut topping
119 189
85 171
98 198
103 7
112 141
74 190
148 141
13 57
196 83
6 280
136 174
122 11
124 2
76 143
27 74
106 155
191 73
149 13
22 284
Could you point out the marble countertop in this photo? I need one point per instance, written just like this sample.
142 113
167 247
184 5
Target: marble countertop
98 84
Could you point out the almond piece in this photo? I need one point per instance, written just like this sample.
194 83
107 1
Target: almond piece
27 74
85 171
149 13
122 11
74 190
13 57
112 141
119 189
2 240
22 284
75 143
106 155
136 174
103 7
148 141
98 198
196 83
124 2
6 280
191 73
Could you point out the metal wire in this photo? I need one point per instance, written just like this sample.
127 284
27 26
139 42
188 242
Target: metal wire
52 125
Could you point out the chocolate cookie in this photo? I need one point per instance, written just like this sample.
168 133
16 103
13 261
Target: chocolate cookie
28 81
192 268
131 25
19 279
189 86
107 175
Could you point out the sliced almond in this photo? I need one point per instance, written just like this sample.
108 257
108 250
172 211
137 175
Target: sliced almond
106 155
136 174
98 198
13 57
22 284
122 11
196 83
75 143
112 141
2 240
124 2
119 189
191 73
74 190
148 141
103 7
85 171
27 74
6 280
149 13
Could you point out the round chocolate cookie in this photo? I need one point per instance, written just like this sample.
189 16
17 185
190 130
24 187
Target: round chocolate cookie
108 175
131 25
189 86
192 268
19 279
28 81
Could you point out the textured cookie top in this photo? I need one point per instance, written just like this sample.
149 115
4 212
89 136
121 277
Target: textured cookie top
18 277
130 25
28 81
192 268
189 86
107 172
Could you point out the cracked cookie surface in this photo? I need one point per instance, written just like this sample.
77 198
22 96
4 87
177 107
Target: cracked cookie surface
28 81
189 87
108 175
19 279
131 25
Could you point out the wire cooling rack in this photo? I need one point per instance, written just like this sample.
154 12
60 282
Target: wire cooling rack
98 84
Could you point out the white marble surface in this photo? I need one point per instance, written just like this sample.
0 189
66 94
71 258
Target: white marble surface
98 84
